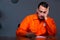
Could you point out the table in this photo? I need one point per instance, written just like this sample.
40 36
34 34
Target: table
38 38
24 38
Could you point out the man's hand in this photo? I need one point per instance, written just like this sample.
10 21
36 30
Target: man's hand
30 35
46 14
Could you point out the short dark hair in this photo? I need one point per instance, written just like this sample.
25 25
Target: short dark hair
44 4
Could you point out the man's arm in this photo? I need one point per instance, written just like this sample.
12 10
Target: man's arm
22 29
51 26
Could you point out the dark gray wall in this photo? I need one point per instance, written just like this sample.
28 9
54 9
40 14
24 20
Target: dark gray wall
14 13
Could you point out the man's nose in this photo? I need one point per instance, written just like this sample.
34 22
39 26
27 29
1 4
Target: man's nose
42 14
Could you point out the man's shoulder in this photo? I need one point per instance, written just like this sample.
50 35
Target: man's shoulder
50 18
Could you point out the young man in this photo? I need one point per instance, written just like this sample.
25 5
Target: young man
38 24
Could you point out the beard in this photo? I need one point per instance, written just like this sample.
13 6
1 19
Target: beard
41 18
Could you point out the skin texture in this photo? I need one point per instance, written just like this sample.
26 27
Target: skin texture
42 11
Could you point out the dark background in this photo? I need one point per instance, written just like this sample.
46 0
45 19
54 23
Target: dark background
13 13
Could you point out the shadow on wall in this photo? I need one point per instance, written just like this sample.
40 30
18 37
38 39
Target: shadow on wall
14 1
0 18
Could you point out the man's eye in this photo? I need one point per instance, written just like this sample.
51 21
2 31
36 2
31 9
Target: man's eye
40 11
44 12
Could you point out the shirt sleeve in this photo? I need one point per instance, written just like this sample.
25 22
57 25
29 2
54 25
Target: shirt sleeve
23 26
51 26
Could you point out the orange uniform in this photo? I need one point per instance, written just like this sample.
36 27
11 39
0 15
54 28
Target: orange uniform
33 24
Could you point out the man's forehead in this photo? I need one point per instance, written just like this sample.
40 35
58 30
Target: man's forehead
43 8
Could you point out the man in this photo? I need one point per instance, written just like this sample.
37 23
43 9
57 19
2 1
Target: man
38 24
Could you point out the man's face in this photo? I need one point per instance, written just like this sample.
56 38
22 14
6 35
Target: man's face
42 11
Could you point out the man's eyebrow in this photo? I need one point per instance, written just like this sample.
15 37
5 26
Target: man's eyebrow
42 11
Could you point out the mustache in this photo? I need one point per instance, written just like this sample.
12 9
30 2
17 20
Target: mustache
41 18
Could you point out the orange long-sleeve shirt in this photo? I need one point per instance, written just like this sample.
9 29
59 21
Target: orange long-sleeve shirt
32 23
